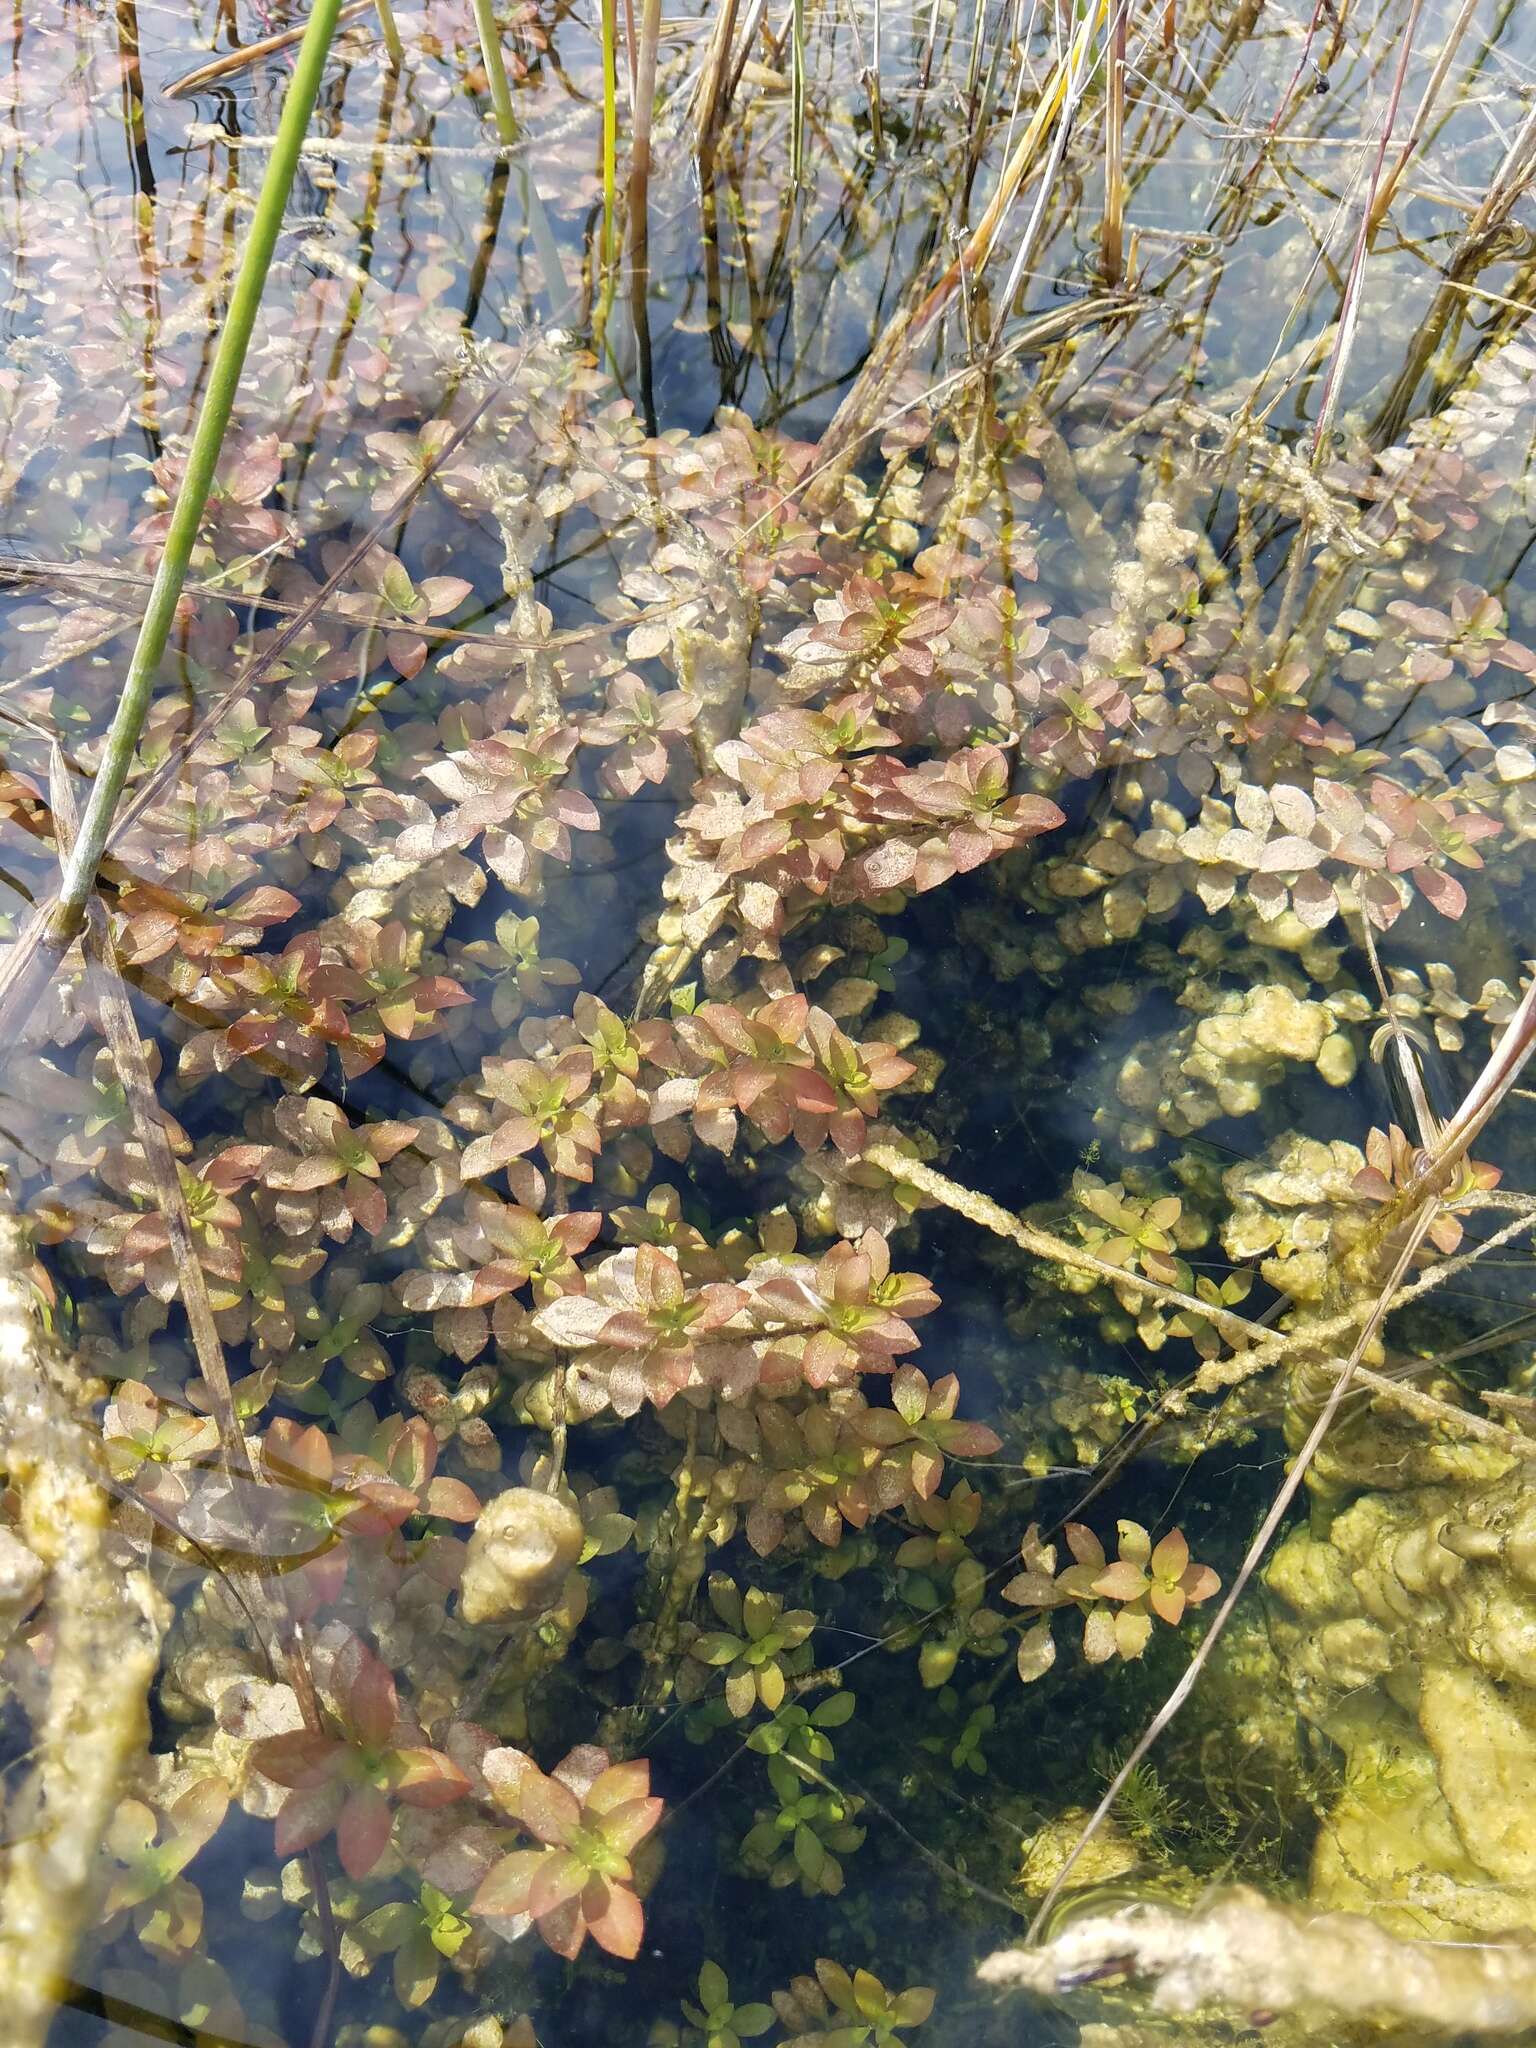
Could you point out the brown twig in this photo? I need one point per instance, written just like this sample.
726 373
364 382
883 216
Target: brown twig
251 53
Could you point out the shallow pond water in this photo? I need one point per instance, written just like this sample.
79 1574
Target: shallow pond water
655 739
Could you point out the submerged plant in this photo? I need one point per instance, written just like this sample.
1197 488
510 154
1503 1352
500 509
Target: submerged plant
590 1815
760 1647
349 1781
682 1027
1119 1601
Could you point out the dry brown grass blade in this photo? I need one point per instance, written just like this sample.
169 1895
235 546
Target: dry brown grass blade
1349 311
711 99
1445 1149
1421 114
1475 246
894 347
219 68
1112 232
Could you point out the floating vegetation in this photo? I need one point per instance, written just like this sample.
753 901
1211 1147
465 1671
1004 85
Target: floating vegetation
766 809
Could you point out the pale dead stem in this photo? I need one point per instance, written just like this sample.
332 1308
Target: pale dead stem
1044 1244
1438 1414
63 573
107 1623
1404 1225
1239 1949
339 149
1279 1508
1258 1347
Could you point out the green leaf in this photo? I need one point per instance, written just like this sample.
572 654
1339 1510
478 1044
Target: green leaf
760 1610
911 2008
809 1854
715 1647
920 1592
397 587
833 1712
869 1995
970 1581
726 1601
936 1662
785 1780
714 1987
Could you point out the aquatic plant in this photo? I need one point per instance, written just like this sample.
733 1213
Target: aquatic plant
677 1025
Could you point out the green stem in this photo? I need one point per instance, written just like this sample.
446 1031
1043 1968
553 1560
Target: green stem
187 513
610 130
545 246
495 71
394 48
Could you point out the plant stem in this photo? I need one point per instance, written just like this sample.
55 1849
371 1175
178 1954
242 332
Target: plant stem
202 459
495 71
537 219
640 201
610 131
797 91
394 48
1112 239
1349 311
225 66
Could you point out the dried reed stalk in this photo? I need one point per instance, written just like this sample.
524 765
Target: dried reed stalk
232 61
891 352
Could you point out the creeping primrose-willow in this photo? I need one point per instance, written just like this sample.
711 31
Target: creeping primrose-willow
186 515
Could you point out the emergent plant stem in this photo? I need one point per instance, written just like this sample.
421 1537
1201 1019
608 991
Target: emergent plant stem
186 515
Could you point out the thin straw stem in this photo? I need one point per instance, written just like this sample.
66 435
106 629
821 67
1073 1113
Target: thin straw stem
1112 241
1349 315
393 47
202 460
1420 121
797 91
